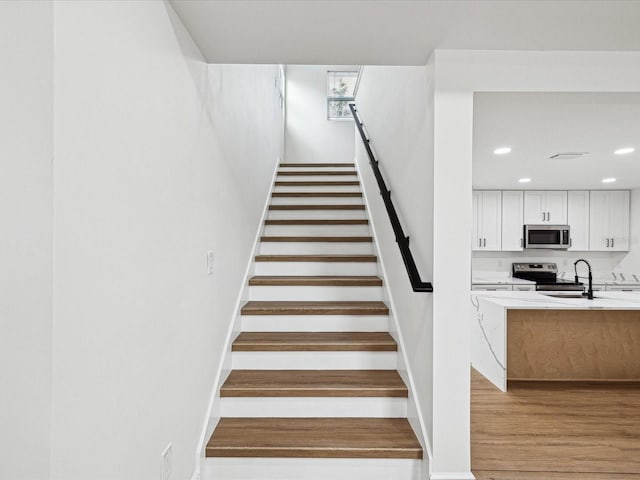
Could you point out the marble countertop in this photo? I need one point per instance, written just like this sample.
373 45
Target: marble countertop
535 300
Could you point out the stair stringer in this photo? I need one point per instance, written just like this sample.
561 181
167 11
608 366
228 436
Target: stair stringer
414 415
224 366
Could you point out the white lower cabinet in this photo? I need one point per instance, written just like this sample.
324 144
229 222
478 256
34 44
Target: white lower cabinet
622 288
491 288
524 288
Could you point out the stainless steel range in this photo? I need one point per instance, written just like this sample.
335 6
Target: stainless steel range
546 277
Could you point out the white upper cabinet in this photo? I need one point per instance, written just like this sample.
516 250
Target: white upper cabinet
545 207
609 221
487 221
578 220
512 220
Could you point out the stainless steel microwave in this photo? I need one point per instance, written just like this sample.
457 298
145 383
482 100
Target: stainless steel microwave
547 236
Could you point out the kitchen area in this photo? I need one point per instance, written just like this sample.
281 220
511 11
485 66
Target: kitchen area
555 287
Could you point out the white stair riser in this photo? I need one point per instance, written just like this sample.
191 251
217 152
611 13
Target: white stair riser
319 248
316 214
314 293
314 360
317 178
316 268
318 230
310 469
316 200
317 188
315 323
327 168
278 407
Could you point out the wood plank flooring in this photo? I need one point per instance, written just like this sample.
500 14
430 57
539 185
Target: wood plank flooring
317 258
314 438
553 430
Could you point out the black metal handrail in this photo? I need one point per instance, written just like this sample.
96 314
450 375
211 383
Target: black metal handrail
403 241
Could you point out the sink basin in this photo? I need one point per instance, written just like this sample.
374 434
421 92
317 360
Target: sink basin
564 295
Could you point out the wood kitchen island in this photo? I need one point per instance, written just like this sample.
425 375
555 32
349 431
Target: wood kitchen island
528 336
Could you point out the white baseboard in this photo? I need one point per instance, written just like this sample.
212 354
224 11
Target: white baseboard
452 476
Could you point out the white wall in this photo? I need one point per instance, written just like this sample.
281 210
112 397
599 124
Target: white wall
26 149
395 104
310 137
158 158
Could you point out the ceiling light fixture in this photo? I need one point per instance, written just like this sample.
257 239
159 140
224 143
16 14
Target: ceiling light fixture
624 151
524 180
502 150
608 180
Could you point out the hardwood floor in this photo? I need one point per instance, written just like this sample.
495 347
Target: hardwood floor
555 431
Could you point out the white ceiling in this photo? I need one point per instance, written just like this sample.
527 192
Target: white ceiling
538 125
398 32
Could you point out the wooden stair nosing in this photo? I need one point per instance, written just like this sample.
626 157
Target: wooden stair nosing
358 308
314 383
317 183
316 173
300 239
314 342
315 281
318 258
317 207
317 164
316 194
314 438
333 221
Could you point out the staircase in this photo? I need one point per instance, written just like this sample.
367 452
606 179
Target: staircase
314 392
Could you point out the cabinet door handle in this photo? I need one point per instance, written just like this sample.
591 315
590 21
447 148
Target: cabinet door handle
548 216
479 242
607 243
521 243
543 216
484 243
570 242
612 243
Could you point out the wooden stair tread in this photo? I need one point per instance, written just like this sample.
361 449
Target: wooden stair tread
281 238
317 165
314 438
317 207
256 307
314 383
316 280
317 258
316 194
336 221
316 183
314 342
315 173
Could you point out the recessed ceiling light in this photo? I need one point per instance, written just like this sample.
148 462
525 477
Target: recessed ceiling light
624 151
502 150
524 180
608 180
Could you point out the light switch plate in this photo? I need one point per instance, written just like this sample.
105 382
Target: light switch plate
210 262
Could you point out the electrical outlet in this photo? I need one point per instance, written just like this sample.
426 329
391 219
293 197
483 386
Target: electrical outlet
210 262
167 462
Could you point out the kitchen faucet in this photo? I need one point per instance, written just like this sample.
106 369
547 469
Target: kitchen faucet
588 293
